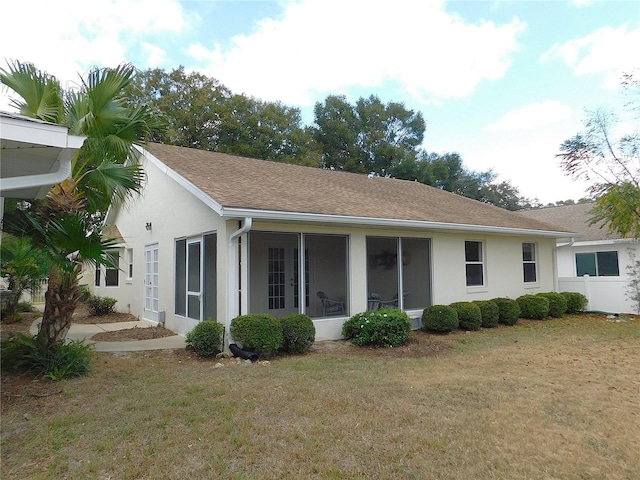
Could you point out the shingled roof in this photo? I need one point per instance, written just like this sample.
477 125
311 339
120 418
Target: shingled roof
240 183
574 218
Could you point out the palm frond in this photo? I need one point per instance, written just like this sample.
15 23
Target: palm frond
41 94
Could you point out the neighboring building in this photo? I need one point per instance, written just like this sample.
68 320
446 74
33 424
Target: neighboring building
593 262
214 236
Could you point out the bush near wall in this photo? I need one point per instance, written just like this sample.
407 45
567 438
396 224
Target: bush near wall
440 318
469 315
576 302
100 306
557 303
490 313
386 327
298 332
258 332
509 310
206 338
533 306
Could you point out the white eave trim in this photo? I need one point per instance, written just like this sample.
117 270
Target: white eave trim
238 213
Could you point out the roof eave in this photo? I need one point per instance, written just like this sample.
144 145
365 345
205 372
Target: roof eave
275 215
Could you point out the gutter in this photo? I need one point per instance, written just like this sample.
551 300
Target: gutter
232 212
233 278
52 178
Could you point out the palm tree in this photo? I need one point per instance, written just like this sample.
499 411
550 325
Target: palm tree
68 223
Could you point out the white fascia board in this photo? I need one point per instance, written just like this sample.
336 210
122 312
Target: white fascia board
190 187
383 222
596 243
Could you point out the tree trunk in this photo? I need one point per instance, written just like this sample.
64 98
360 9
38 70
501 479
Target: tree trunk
60 301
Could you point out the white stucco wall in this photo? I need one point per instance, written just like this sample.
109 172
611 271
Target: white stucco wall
173 213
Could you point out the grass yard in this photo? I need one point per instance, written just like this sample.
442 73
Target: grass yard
539 400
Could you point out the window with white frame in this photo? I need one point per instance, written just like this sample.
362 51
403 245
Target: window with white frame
111 272
529 262
597 264
474 263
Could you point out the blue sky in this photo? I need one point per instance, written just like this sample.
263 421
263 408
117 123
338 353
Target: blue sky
502 82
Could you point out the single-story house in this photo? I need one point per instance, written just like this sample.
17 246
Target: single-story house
594 263
215 236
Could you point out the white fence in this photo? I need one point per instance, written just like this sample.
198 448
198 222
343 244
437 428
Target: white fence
608 294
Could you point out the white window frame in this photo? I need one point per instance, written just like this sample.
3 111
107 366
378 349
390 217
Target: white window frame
533 261
481 262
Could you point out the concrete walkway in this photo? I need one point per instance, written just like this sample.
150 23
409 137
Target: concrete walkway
80 331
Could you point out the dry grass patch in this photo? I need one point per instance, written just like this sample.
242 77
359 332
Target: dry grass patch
553 399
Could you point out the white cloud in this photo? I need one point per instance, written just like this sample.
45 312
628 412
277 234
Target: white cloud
317 46
532 116
156 55
608 51
67 38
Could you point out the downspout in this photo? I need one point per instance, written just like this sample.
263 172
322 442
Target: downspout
233 278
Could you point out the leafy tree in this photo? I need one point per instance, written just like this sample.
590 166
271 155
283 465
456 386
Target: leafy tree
202 113
68 223
612 163
266 130
190 104
368 136
447 172
22 264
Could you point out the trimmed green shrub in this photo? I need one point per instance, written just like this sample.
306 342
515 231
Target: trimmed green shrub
469 315
258 332
557 303
100 306
576 302
298 332
489 311
533 306
509 310
386 327
440 318
22 353
206 338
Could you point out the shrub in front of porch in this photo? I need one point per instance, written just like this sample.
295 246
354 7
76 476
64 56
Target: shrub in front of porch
258 332
206 338
386 327
440 318
298 332
469 315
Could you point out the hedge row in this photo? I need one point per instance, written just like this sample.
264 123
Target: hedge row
488 313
